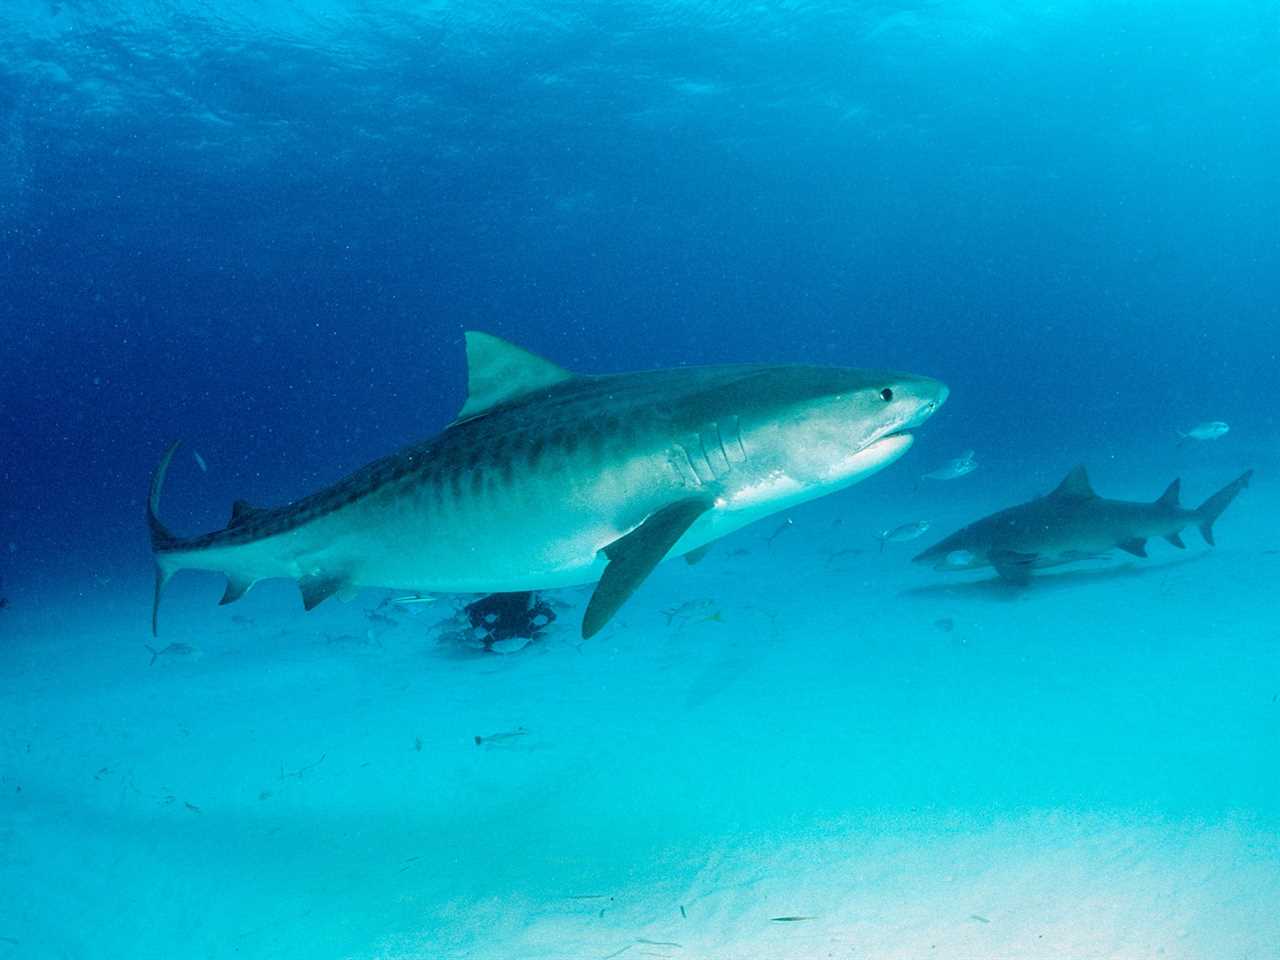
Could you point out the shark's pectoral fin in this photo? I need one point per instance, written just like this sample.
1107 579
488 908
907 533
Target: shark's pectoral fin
318 587
1014 567
1175 540
1135 545
633 557
696 556
237 587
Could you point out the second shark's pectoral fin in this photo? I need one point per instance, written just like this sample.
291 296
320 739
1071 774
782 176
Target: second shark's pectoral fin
318 587
1175 540
1014 567
1135 545
237 587
633 557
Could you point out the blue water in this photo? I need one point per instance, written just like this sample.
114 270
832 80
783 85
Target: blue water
264 227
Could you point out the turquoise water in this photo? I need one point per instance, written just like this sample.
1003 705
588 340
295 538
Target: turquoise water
263 229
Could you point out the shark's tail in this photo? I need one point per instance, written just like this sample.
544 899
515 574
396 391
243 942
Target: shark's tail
161 538
1211 509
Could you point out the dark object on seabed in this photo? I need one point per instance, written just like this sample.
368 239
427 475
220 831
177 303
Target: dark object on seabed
4 602
508 616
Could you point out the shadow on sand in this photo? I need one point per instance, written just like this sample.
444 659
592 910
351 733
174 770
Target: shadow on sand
994 588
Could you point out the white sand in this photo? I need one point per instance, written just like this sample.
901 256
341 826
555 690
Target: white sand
1088 769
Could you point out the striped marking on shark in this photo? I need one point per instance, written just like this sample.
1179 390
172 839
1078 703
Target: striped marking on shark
549 478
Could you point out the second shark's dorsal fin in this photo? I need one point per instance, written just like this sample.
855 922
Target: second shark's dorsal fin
1075 485
1170 497
498 371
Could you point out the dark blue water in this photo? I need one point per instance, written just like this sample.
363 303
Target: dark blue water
263 228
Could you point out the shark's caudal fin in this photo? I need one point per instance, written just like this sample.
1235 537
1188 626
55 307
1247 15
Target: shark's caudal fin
160 537
1211 509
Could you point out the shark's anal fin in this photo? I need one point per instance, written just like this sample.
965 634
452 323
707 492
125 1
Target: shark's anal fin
1135 545
317 588
633 557
237 587
1013 567
1175 540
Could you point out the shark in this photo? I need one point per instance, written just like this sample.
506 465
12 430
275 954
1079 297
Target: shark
1074 523
549 478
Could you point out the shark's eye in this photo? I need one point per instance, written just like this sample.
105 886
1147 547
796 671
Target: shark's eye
886 394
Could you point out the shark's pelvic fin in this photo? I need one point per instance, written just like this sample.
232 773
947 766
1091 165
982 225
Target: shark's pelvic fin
1013 566
1076 484
1135 545
1175 540
160 537
498 371
1212 508
633 557
317 588
1170 496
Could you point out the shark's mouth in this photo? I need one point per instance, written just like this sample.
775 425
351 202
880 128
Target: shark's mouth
879 453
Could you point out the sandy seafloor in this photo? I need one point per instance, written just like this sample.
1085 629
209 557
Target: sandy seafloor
1090 768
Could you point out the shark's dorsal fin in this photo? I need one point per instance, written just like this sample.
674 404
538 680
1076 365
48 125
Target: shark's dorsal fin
1170 497
242 512
1075 485
498 371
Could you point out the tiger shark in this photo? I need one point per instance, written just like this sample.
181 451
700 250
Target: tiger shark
1074 523
549 478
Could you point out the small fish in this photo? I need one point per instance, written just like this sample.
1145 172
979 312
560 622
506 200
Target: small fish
413 598
903 533
789 919
952 469
782 528
979 918
499 737
1210 430
172 650
945 624
204 467
686 612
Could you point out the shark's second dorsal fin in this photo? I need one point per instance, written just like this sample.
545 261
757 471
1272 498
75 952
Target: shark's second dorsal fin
1075 485
1170 497
498 371
242 512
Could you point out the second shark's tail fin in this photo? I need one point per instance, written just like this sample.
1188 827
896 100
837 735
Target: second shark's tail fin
160 537
1211 509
